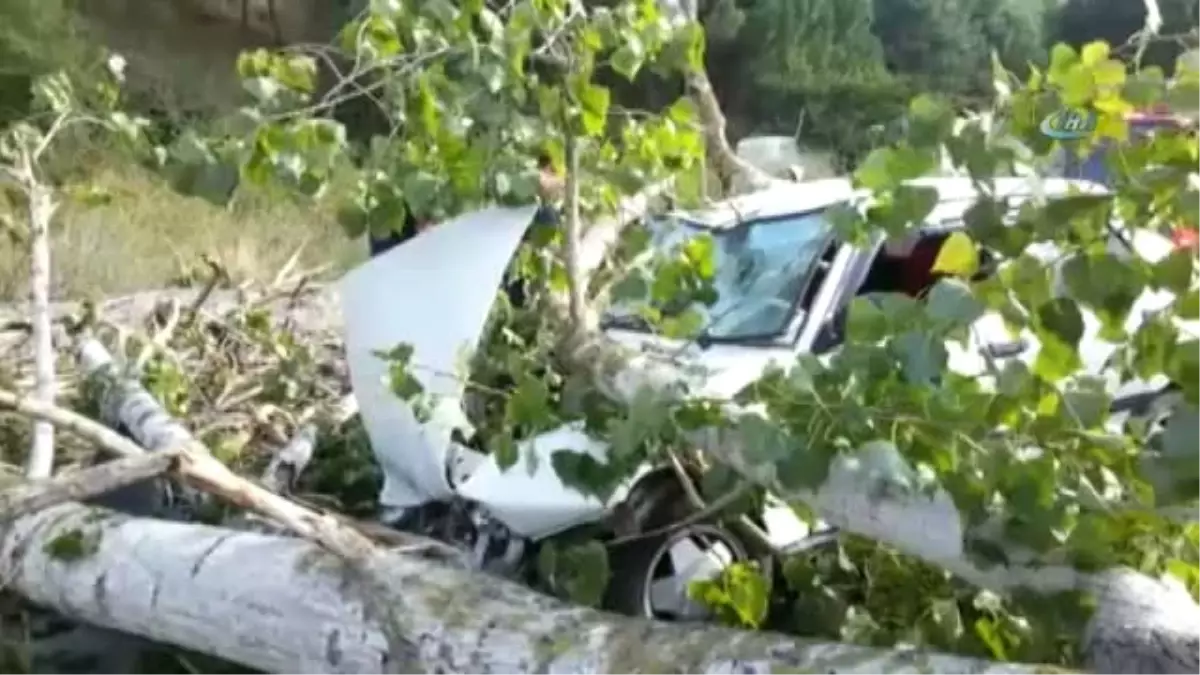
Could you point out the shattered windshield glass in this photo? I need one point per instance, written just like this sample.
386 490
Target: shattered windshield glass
761 268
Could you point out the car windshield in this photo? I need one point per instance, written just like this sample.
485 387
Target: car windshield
761 268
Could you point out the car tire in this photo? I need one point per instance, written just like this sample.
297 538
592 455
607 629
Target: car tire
637 564
641 567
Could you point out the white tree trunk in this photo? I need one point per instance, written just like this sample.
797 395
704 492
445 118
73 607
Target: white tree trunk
1141 624
378 612
284 605
40 463
576 279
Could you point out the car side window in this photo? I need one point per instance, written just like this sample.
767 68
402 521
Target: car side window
907 266
903 267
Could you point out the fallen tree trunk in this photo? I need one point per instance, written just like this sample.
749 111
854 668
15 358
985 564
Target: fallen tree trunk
361 609
1140 624
285 605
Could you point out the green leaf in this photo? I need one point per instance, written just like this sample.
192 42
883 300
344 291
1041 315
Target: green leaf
628 59
1188 305
1062 58
648 419
958 256
922 355
805 467
931 120
764 442
887 168
594 101
633 288
1060 328
214 182
985 222
1086 402
950 302
504 448
1061 318
1174 272
529 406
1145 87
1109 75
910 206
297 72
749 593
265 89
584 473
1183 367
684 325
1152 346
353 219
682 112
1107 285
254 63
1094 53
865 320
1182 93
575 572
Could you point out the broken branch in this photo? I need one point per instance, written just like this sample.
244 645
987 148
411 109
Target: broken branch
81 485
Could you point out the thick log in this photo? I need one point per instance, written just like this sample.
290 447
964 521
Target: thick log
285 605
403 611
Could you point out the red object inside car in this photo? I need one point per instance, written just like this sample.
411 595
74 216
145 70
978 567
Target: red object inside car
918 274
1185 238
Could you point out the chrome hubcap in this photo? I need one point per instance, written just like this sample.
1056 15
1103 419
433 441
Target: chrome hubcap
694 553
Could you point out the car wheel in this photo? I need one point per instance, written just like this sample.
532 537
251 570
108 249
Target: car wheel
651 576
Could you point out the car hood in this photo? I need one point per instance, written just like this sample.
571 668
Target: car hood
434 293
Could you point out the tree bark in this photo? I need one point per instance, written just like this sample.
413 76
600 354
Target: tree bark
28 497
285 605
576 280
365 611
40 463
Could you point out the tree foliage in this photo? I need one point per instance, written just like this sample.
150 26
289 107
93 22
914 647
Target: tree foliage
1026 454
36 38
1078 22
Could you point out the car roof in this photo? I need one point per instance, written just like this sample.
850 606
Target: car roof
784 198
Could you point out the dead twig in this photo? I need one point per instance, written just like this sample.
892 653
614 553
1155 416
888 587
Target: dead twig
201 470
752 531
216 274
158 343
31 496
709 511
291 460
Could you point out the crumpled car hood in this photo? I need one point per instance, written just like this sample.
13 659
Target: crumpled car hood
434 293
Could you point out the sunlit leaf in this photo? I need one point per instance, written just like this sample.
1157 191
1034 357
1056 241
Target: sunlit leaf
958 256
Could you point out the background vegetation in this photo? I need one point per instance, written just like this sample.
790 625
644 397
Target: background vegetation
836 71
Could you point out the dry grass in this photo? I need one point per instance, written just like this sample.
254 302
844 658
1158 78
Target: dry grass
148 236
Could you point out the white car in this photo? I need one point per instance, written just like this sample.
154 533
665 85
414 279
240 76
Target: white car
783 278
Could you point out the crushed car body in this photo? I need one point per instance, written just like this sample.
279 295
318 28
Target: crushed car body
784 282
